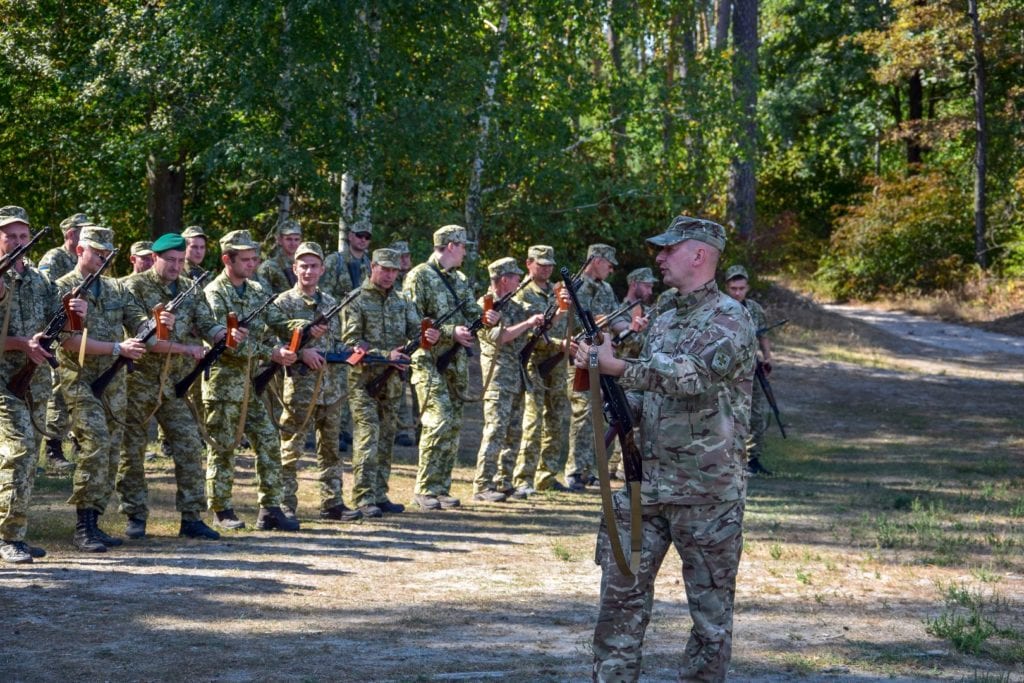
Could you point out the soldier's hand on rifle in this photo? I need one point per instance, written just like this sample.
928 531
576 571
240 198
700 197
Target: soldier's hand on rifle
433 335
397 355
462 335
536 320
166 318
132 349
312 359
317 331
282 356
240 334
606 359
34 350
194 351
639 324
491 318
79 307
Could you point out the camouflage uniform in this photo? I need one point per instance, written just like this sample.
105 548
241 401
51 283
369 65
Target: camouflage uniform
97 422
32 299
292 310
343 273
760 415
597 297
57 263
223 394
276 273
383 321
54 265
440 395
151 387
694 379
546 400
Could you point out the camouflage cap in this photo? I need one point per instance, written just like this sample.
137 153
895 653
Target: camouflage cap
309 249
503 266
288 227
451 233
541 254
74 222
97 237
641 275
687 228
193 231
603 251
401 246
360 226
237 240
735 272
141 249
169 241
386 258
13 214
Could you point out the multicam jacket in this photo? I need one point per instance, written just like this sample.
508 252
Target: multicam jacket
508 372
291 311
33 301
383 321
692 385
57 263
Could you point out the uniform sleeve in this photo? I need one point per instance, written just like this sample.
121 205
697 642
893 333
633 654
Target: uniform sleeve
135 314
204 321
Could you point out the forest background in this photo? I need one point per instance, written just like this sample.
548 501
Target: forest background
871 147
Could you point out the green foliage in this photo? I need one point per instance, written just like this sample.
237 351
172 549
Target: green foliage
910 234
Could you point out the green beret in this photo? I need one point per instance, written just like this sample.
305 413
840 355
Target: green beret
167 242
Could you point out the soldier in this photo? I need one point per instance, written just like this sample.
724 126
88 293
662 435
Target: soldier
276 272
195 250
380 320
546 401
436 288
504 384
691 389
312 397
406 408
27 299
141 257
231 410
737 285
597 296
56 263
97 422
151 387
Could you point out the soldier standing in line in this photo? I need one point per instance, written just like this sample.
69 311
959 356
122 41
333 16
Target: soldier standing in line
313 397
504 385
546 400
691 390
597 296
232 410
381 320
55 264
277 272
436 288
140 255
195 250
151 387
737 285
97 422
406 418
27 300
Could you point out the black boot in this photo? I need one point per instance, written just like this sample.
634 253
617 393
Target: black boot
196 528
274 518
755 467
85 537
108 540
135 528
55 457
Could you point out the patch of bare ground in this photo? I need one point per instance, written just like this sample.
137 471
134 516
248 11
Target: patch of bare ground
895 514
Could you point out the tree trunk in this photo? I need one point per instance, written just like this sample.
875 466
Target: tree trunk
741 209
915 112
166 194
980 140
722 20
616 14
284 199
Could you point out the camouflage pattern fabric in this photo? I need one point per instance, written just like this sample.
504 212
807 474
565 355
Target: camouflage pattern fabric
56 263
694 377
276 273
179 429
598 297
113 312
336 280
383 321
440 395
503 403
760 413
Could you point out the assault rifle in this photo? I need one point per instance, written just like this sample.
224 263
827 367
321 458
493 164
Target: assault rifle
762 379
445 359
356 356
301 337
375 387
546 366
217 350
620 425
19 383
149 328
9 259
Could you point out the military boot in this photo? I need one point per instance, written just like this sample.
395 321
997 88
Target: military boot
85 537
227 519
15 552
754 467
55 457
108 540
135 528
196 528
274 518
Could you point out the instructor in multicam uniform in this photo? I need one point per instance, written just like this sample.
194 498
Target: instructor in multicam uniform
693 378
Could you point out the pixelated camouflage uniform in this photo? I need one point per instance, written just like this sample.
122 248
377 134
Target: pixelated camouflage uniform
31 299
55 264
597 297
97 423
694 378
760 415
440 395
503 402
152 385
223 394
343 272
276 273
383 321
293 309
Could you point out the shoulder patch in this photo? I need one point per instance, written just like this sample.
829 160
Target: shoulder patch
721 362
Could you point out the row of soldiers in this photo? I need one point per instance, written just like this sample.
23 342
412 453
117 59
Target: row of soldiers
288 308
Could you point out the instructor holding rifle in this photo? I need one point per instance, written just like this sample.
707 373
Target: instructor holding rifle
690 391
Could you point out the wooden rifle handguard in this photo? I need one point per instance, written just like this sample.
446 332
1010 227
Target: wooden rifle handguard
425 325
229 340
562 304
162 333
296 340
74 320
